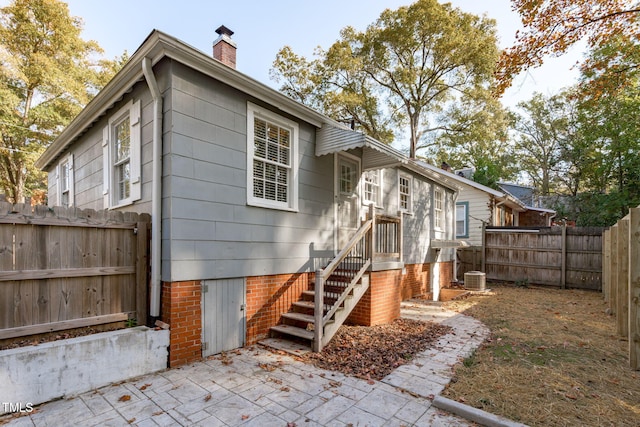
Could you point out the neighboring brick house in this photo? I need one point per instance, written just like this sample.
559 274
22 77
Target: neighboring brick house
251 194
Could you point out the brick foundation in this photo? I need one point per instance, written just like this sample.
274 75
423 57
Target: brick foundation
446 274
381 303
181 309
270 296
415 281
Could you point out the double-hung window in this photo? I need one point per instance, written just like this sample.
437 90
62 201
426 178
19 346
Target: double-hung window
373 188
121 157
65 182
462 219
272 166
405 193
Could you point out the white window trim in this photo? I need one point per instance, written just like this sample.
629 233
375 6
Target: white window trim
409 209
438 214
71 190
378 202
465 219
132 109
254 111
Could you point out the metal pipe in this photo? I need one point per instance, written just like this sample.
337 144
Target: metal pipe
156 190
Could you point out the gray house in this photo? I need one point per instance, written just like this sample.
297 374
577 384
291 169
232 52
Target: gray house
267 216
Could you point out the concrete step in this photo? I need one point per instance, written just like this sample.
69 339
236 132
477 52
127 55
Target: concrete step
290 347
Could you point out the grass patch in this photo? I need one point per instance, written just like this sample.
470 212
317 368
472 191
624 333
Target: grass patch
553 359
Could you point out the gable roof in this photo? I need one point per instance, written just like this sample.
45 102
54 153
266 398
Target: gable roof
159 45
525 194
156 46
507 198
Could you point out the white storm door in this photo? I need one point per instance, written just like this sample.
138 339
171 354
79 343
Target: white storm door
348 199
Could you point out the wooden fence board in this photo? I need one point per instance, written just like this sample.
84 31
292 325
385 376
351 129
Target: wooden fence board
622 320
70 267
613 274
606 264
634 288
546 256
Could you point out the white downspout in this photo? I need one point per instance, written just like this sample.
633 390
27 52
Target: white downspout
156 190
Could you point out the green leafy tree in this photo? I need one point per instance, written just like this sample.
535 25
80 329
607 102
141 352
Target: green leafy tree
478 138
552 26
602 157
400 72
47 74
542 126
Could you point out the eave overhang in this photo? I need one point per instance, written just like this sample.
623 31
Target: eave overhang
333 138
157 46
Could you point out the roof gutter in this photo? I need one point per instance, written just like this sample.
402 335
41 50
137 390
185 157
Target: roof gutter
156 190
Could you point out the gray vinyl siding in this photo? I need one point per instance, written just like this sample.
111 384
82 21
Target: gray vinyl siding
209 230
88 165
418 229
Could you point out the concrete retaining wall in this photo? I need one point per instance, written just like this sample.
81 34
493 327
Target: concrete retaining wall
37 374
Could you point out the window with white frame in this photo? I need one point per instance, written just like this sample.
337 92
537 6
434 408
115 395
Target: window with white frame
121 157
65 181
272 169
462 219
405 193
438 208
373 187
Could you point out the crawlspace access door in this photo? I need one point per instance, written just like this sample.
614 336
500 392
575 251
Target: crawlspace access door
223 315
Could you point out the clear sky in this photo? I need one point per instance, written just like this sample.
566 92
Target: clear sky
263 27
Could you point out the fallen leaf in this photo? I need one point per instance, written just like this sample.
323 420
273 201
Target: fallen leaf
124 398
144 387
207 397
245 417
285 389
131 421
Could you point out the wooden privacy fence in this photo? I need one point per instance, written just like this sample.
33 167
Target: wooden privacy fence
65 268
567 257
621 279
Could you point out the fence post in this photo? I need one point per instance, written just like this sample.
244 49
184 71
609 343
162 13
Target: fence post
142 264
634 288
622 311
563 274
606 278
613 271
318 311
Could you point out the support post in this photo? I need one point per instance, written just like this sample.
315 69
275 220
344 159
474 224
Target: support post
400 234
318 311
622 311
483 261
563 274
606 275
372 241
613 270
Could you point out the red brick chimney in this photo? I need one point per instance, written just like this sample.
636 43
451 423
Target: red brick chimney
224 48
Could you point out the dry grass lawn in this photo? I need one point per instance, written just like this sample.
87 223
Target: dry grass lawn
553 359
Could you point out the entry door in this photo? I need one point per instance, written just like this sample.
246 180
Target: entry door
348 200
223 313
